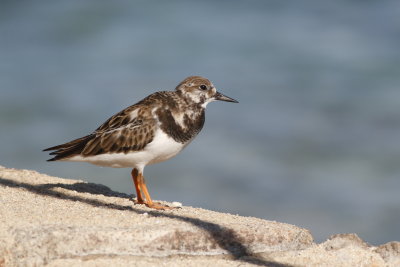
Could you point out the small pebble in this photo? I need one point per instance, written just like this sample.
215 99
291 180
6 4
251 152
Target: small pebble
145 214
176 204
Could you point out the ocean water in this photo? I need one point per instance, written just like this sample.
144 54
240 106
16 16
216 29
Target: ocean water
314 141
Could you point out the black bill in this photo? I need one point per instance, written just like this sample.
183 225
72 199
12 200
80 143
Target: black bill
221 97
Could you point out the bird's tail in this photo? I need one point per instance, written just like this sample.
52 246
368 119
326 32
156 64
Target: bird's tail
67 150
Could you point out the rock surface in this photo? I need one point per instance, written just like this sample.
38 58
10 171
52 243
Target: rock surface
51 221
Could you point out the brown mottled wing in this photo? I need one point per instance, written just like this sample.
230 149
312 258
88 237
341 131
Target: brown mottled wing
125 137
129 130
122 133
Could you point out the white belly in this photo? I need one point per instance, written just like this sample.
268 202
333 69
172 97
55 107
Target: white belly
160 149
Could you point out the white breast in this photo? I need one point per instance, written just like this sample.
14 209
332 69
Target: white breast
163 147
160 149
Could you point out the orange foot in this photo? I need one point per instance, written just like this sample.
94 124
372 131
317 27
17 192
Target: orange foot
159 206
138 201
142 194
154 205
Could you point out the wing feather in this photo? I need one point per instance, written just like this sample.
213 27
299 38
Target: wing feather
129 130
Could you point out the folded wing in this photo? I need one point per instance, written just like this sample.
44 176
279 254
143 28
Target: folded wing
124 132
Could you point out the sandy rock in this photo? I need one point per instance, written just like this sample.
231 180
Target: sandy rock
338 250
45 219
390 252
341 241
52 221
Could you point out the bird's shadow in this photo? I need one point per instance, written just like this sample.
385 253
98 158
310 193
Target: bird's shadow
225 237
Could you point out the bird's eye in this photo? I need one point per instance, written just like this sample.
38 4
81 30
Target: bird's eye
203 87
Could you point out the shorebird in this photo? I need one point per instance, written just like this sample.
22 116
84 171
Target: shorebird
153 130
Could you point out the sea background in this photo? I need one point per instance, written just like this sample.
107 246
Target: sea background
314 141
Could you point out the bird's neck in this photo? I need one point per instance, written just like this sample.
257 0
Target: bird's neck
183 121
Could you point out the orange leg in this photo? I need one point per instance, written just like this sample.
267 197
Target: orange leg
135 176
141 187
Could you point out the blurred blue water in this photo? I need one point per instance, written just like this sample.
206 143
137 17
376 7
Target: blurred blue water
314 141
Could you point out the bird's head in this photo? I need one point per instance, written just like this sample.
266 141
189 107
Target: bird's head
201 91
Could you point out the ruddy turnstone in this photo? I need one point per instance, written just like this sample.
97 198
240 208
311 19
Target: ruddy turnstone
153 130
